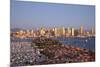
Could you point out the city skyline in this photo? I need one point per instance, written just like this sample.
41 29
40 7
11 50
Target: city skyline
28 15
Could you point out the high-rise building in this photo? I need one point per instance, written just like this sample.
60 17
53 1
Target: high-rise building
92 31
63 30
28 32
69 31
81 30
32 31
76 32
42 31
72 31
55 31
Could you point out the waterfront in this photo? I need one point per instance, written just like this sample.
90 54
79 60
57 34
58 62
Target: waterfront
87 42
51 34
28 52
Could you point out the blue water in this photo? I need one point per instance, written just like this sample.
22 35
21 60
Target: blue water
87 42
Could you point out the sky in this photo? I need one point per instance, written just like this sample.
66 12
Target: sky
29 15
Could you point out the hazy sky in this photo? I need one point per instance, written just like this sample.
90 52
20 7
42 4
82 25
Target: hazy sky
36 14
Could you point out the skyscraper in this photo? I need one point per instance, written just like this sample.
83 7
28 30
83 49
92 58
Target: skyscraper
69 31
72 31
57 31
81 30
31 32
93 31
42 31
63 29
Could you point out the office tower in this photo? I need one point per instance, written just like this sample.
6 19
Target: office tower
76 32
42 31
32 33
92 31
63 29
55 31
81 30
72 31
28 32
69 31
